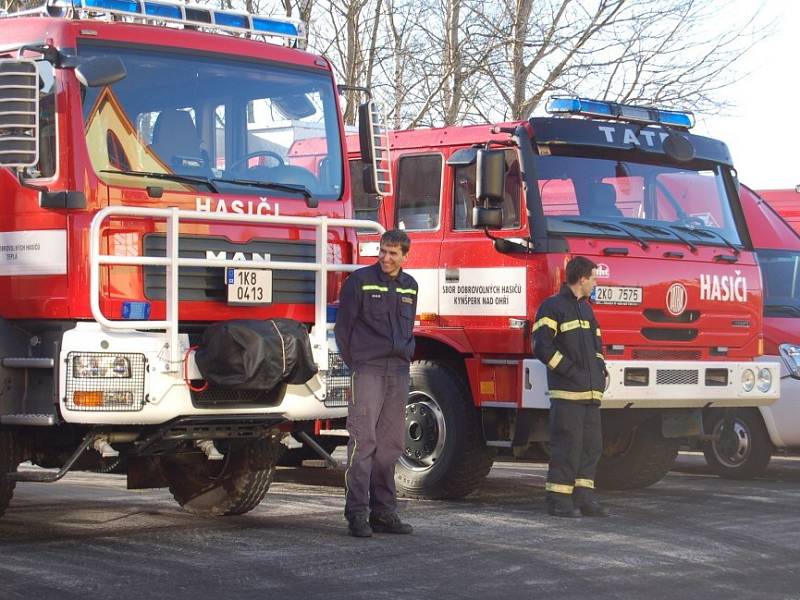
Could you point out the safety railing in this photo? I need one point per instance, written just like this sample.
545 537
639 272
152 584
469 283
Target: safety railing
172 262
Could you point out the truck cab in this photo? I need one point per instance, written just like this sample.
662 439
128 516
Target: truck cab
155 220
495 212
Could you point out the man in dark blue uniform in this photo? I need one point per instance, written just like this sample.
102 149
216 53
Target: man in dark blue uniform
566 338
374 333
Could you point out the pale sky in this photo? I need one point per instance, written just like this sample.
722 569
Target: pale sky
763 129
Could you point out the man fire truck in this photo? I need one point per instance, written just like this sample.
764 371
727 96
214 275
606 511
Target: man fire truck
496 212
152 215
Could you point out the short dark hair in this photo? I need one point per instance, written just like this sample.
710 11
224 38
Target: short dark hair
577 267
397 237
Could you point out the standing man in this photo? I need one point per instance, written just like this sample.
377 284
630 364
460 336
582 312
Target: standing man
566 338
374 333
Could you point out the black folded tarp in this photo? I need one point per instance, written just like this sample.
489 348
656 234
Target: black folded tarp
255 355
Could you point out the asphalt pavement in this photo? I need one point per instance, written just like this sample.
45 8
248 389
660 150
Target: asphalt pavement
693 535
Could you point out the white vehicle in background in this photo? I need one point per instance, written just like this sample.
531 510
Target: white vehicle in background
744 441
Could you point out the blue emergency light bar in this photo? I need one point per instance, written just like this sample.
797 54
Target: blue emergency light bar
620 112
203 17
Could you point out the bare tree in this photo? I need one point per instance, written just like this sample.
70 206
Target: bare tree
668 52
447 62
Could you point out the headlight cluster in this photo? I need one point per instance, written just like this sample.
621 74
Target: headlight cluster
100 366
761 379
105 381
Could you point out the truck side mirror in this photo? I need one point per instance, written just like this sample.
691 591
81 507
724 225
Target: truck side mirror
490 182
19 113
98 71
791 358
368 181
487 217
373 137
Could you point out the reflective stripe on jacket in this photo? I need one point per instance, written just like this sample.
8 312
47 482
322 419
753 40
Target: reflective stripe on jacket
566 338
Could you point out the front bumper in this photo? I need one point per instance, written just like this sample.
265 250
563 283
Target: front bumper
159 393
665 384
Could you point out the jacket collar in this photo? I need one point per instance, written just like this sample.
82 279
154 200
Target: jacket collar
566 291
384 277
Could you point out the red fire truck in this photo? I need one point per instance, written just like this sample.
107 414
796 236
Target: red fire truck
741 446
786 203
151 209
495 212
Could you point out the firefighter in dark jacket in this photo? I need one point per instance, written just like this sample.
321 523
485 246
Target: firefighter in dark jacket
566 338
374 333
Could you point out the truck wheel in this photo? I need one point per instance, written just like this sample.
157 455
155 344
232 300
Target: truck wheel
8 464
231 486
741 453
636 458
445 455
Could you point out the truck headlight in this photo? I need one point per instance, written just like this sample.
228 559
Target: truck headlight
105 381
791 358
100 366
764 380
748 380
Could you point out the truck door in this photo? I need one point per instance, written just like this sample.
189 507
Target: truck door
481 289
416 207
33 227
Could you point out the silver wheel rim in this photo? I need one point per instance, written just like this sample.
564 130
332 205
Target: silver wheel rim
425 433
729 455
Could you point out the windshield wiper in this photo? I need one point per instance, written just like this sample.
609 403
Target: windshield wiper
789 308
697 230
169 177
294 188
610 227
657 229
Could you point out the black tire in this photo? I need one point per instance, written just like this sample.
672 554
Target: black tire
294 457
637 458
743 453
445 456
231 486
8 464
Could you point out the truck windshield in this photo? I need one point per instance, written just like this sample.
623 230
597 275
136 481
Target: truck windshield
780 271
194 119
580 195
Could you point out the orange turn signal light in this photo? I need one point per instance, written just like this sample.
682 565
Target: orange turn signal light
88 398
427 316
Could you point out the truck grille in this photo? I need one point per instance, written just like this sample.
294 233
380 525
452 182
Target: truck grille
669 335
208 284
648 354
222 398
677 376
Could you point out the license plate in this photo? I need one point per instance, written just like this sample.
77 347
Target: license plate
610 294
248 286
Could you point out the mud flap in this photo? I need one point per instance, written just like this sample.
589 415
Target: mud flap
682 423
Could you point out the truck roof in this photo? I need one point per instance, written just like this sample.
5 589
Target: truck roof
66 32
768 229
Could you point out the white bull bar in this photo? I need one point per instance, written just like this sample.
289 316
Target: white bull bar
173 262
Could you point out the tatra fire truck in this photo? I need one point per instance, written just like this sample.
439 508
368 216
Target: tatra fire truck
151 213
495 212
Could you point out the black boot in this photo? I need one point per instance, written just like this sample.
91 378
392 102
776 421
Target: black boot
560 505
584 499
390 523
357 526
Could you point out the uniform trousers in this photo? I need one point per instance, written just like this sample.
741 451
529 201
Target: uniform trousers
375 422
576 443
